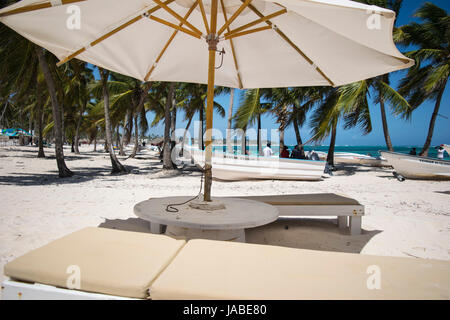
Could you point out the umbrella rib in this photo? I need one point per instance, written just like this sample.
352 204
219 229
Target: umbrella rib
205 20
255 22
243 33
176 27
178 17
39 6
232 47
109 34
292 44
244 5
147 76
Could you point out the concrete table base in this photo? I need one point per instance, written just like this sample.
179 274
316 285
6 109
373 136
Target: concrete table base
228 223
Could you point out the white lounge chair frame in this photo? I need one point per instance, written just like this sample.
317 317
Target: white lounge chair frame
17 290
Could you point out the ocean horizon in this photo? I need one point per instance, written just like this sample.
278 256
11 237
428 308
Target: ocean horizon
364 150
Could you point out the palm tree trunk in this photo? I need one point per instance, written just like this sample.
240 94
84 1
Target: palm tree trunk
137 112
281 130
258 138
128 126
117 167
167 161
230 119
95 144
201 145
184 135
427 144
243 141
297 132
39 120
330 156
77 130
120 142
387 137
59 150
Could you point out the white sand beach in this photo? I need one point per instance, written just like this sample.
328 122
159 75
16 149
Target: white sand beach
406 219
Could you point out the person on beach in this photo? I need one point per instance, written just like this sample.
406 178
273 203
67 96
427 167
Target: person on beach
440 152
413 152
268 150
314 156
284 153
298 153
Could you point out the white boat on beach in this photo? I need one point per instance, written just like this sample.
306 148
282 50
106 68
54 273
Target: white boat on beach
415 167
241 167
355 158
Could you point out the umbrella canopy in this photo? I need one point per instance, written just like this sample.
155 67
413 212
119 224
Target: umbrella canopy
260 43
268 44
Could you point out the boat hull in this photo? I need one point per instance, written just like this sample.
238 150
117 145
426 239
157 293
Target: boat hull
238 167
415 167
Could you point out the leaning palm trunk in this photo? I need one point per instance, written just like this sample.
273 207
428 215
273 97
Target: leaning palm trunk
243 141
120 143
77 130
387 137
167 160
184 136
201 146
117 167
427 144
39 120
281 138
330 156
230 118
297 132
138 110
258 138
59 151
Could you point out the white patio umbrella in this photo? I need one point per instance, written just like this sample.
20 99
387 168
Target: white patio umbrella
265 43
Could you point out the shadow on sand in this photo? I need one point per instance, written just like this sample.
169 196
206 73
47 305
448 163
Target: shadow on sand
82 174
302 233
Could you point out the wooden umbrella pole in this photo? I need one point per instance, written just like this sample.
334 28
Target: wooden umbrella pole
212 40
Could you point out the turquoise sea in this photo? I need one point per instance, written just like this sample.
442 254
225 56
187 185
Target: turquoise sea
372 150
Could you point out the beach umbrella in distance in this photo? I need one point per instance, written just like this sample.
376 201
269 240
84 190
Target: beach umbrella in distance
232 43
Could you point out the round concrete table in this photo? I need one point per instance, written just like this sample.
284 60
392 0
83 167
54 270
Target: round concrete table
227 223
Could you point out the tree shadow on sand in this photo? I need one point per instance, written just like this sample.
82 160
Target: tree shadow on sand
301 233
82 174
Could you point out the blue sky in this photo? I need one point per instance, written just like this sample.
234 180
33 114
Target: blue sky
412 132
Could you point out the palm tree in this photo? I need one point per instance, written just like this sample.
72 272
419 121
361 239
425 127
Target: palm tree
381 83
57 118
349 103
230 121
427 80
251 108
117 167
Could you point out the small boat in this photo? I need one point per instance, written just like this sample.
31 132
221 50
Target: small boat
233 167
415 167
355 158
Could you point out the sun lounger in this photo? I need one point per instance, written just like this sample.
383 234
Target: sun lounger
124 265
110 262
207 269
348 210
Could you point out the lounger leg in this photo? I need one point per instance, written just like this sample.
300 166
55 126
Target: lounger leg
155 228
342 222
355 225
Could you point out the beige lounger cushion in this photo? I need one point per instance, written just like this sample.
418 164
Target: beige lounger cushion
111 261
207 269
315 199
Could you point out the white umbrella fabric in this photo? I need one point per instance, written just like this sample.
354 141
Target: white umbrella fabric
257 43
